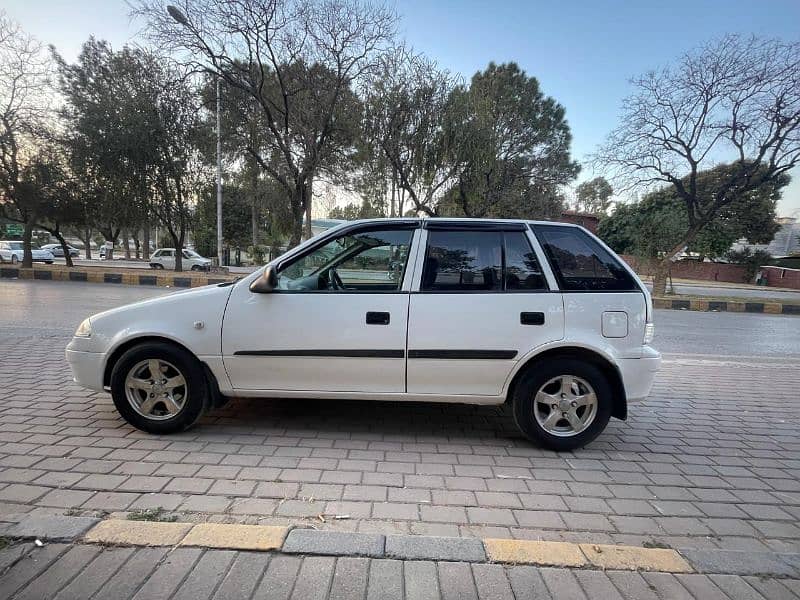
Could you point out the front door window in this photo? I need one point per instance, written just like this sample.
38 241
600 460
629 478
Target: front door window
371 261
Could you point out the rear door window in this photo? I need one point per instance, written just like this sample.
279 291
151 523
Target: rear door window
480 261
580 263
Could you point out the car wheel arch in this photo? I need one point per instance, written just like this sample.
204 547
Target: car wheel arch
619 409
117 352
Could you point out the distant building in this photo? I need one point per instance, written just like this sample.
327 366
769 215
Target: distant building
586 220
785 243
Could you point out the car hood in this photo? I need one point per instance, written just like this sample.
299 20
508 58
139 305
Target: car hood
209 295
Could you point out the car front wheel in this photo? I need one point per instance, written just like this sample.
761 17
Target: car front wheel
14 259
159 388
563 404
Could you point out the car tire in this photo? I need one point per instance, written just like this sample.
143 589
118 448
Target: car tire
156 266
195 267
14 259
562 382
143 408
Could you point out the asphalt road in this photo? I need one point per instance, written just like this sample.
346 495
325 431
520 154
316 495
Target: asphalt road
51 309
131 264
680 288
734 292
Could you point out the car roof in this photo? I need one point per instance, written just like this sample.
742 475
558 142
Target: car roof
461 221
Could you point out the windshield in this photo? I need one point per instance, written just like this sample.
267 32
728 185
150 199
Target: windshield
191 254
17 246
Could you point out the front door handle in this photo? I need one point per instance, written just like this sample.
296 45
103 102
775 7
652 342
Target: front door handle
378 318
531 318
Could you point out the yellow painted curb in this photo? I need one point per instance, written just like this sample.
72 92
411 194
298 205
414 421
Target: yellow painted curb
773 308
633 558
736 306
557 554
137 533
236 537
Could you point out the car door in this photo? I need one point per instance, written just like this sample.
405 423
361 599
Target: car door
481 303
167 259
336 322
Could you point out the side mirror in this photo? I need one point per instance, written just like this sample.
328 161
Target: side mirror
266 283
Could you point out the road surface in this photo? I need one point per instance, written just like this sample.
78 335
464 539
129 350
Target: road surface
50 307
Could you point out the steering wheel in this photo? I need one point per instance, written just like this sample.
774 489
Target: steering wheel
334 281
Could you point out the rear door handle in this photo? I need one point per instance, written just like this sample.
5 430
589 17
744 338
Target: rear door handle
378 318
531 318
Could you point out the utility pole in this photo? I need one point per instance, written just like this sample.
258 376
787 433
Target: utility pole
181 19
219 179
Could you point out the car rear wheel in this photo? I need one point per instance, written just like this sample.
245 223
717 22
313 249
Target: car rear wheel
156 266
159 388
563 404
14 259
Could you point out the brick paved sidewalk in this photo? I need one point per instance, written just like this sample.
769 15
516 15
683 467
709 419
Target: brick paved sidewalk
711 460
81 571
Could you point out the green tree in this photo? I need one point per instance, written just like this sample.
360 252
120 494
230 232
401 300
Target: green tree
594 196
735 98
510 137
650 228
235 224
299 61
408 141
24 90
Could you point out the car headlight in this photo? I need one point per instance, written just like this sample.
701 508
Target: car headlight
649 332
84 329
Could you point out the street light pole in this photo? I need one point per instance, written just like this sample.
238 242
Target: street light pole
181 19
219 180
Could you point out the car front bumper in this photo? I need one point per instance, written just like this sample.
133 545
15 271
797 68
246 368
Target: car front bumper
87 368
638 374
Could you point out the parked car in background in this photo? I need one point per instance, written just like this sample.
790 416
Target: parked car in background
18 251
164 258
6 256
58 251
540 315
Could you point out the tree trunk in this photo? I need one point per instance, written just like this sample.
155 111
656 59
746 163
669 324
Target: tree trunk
146 241
137 246
64 247
87 241
126 246
178 252
660 274
27 235
307 193
297 217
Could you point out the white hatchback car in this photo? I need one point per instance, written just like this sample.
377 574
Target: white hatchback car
164 258
542 315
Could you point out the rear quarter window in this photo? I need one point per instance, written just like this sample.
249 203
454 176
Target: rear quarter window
580 263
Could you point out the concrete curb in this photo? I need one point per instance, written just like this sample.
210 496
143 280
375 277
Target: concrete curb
186 279
286 540
712 305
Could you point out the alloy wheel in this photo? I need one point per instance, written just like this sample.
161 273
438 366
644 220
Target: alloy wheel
565 406
156 389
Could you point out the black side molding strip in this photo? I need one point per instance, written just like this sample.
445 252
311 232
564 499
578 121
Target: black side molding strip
325 353
464 354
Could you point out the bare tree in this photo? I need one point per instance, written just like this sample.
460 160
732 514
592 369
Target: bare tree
297 59
734 100
24 93
406 129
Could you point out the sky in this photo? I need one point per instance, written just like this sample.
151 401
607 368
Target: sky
583 52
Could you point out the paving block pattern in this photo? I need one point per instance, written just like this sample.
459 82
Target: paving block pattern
84 571
709 462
